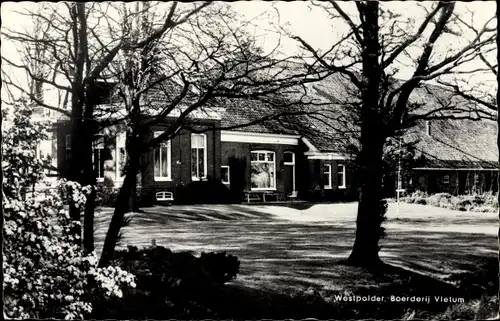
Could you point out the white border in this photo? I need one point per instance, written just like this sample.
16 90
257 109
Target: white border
264 138
324 156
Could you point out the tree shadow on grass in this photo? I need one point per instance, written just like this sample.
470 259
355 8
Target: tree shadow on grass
393 281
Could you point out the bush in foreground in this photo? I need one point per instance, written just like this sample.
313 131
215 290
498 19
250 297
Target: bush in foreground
46 274
169 284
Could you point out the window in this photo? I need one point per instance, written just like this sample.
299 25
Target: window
263 169
98 157
341 176
327 176
121 155
224 173
198 156
446 179
289 158
162 164
45 152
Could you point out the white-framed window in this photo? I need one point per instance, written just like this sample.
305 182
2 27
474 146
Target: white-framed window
341 176
98 157
46 151
263 170
446 179
198 156
224 174
121 155
162 160
327 176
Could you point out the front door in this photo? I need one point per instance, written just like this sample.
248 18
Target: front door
289 172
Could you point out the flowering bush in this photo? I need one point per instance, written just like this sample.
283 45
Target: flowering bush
46 274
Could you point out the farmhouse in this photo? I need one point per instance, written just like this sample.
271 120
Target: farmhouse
291 157
455 156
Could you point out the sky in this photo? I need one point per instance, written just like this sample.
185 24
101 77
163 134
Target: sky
299 18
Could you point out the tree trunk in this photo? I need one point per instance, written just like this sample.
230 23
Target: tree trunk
75 172
370 213
121 208
89 179
133 206
498 145
89 175
373 135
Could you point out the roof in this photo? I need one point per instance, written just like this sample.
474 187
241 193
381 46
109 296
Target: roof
455 143
330 127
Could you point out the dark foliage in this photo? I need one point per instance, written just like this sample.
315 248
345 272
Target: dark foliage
211 191
168 284
482 281
107 196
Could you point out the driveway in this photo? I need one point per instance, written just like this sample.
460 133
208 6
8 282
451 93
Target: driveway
294 249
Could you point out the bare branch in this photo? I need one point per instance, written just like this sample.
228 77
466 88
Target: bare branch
345 16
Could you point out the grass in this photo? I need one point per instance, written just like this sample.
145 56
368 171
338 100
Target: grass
292 255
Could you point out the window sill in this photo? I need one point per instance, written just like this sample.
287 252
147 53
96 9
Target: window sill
163 179
226 183
262 189
342 187
328 187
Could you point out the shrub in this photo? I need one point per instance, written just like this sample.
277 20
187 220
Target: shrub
211 191
46 274
169 283
486 202
439 199
418 197
183 268
484 308
107 196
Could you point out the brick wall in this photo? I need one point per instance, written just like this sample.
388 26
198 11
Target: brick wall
243 151
317 183
454 182
181 159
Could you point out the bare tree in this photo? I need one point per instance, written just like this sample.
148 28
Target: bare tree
79 41
207 62
378 43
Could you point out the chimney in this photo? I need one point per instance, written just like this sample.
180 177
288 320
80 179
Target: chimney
428 127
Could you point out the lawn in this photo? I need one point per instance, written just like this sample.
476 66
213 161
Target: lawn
293 250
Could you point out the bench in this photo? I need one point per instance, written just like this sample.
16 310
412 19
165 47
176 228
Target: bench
165 196
251 196
263 196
